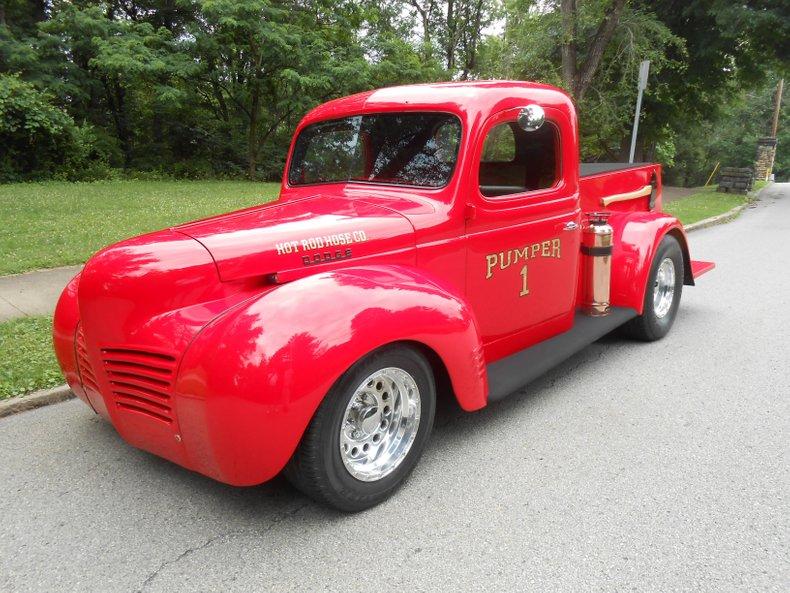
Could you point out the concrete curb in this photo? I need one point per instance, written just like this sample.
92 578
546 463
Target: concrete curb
718 219
35 400
39 270
727 216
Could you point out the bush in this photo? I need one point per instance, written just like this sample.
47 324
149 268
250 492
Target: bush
85 161
39 140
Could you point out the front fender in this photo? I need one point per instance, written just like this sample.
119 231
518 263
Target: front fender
250 383
64 328
637 236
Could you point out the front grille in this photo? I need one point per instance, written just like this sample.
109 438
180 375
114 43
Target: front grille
87 376
141 380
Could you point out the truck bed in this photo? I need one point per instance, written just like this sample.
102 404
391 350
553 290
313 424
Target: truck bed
587 169
619 186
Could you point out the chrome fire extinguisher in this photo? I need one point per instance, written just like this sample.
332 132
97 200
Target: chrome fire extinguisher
597 264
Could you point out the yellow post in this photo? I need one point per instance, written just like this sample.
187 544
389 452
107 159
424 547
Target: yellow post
716 168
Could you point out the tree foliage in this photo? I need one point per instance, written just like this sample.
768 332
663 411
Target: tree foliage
200 88
40 139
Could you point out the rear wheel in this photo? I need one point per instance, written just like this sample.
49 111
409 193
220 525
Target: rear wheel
662 295
369 431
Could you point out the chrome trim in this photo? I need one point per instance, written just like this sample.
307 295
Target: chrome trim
664 288
531 118
597 261
380 424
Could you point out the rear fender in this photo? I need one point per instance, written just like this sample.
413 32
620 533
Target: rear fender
637 236
251 381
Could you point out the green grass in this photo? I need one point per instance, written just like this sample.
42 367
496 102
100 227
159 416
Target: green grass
703 204
52 224
27 361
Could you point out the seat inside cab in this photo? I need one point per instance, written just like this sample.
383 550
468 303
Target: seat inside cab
516 161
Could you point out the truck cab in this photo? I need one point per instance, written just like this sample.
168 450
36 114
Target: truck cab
426 238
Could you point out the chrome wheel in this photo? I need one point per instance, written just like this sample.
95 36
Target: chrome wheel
664 288
380 424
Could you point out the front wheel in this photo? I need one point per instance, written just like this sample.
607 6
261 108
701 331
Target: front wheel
369 431
662 294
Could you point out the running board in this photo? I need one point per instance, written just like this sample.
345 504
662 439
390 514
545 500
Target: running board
517 370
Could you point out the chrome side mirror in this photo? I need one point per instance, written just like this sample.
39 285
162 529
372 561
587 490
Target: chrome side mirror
531 117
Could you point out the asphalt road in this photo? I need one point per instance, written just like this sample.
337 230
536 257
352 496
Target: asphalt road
649 467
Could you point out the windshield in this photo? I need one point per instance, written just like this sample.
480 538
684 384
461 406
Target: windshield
401 148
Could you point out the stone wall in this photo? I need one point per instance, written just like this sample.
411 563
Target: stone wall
735 180
764 161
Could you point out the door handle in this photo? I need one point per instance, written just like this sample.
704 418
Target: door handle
570 226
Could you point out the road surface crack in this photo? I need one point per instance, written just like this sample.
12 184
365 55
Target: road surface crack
227 536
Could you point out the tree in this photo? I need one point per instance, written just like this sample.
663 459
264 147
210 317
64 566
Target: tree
37 137
536 46
731 138
453 30
265 61
216 87
728 48
578 76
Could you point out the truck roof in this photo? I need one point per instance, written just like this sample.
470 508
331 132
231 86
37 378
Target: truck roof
463 98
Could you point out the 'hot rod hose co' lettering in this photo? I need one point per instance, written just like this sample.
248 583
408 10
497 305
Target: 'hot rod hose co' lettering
315 243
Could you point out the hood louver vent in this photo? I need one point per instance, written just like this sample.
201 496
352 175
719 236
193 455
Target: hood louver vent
141 380
84 367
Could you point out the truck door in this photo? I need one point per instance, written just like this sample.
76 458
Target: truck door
523 231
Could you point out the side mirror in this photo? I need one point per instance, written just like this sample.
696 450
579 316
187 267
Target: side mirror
531 117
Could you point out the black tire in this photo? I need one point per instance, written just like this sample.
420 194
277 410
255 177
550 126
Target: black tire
649 327
317 468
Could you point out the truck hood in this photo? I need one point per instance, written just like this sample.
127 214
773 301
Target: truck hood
300 237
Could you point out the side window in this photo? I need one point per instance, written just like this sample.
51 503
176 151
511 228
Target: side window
515 161
500 145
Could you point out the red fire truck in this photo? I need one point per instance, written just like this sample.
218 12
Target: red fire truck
427 239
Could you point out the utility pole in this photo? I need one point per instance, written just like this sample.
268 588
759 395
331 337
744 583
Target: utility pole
777 107
766 147
644 69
